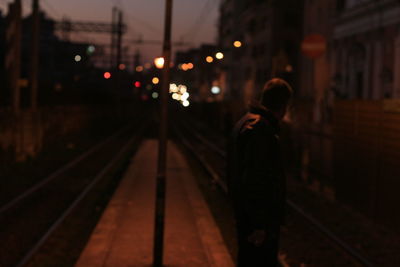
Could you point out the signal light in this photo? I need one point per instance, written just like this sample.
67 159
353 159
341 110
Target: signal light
107 75
137 84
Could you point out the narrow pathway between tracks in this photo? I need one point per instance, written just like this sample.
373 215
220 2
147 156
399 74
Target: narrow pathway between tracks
124 235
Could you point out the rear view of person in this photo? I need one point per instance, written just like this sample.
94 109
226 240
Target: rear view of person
256 176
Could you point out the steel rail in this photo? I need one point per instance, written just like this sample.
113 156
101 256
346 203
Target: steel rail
57 173
216 149
215 177
316 224
28 256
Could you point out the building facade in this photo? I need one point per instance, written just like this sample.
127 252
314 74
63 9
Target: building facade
367 49
270 37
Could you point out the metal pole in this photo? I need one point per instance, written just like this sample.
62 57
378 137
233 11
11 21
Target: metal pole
17 56
113 31
117 65
162 147
34 54
119 39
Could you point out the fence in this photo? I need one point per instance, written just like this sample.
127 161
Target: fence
367 157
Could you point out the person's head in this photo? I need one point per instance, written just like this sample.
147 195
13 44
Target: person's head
276 96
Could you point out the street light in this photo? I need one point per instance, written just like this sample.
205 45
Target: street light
237 44
219 55
185 67
159 62
155 80
122 66
215 90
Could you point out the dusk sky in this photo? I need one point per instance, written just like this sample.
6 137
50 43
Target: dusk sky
194 21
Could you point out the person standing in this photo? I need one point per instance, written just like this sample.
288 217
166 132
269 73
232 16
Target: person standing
256 178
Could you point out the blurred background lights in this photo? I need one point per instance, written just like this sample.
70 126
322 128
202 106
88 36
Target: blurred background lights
154 95
77 58
147 65
237 43
159 62
173 88
215 90
185 96
182 89
122 66
155 80
91 49
289 68
179 93
107 75
219 55
209 59
175 96
139 68
185 67
190 66
137 84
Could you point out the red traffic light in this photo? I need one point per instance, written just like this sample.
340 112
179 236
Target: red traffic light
107 75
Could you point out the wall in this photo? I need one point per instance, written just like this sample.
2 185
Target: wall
367 157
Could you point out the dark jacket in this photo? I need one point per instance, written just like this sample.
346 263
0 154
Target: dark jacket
256 178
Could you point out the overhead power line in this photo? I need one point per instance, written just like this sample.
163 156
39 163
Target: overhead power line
201 19
52 9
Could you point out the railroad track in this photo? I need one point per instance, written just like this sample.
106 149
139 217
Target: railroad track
199 144
31 218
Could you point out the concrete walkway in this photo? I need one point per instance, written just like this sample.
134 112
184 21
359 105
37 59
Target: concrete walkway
124 235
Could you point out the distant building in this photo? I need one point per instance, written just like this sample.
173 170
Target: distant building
270 37
367 49
62 64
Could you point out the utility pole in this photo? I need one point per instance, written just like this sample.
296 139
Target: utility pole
162 147
118 71
113 31
13 57
119 39
34 68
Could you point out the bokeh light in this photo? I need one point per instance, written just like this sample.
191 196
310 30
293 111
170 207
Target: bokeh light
219 55
107 75
237 44
215 90
159 62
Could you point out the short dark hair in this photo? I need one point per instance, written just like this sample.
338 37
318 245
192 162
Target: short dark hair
276 94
